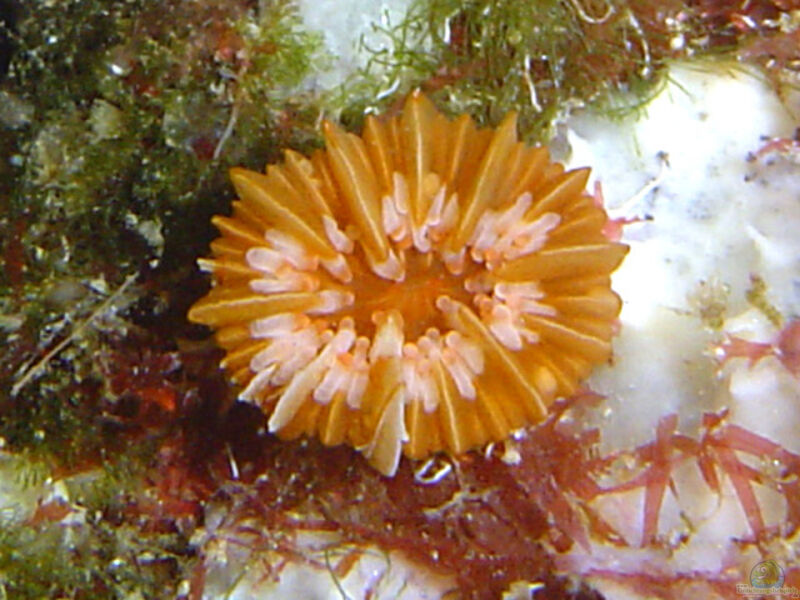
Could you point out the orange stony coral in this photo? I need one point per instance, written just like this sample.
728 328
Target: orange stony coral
425 286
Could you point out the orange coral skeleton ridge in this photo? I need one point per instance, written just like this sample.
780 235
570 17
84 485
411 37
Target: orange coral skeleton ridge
425 286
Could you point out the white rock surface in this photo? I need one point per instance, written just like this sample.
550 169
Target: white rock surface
715 217
350 27
709 201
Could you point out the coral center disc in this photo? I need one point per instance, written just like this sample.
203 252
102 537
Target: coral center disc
426 279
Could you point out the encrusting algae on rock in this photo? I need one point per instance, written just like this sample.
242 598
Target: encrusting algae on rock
425 286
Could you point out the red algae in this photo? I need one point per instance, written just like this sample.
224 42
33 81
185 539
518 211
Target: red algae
785 347
488 520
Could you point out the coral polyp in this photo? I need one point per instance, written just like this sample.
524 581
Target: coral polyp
425 286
